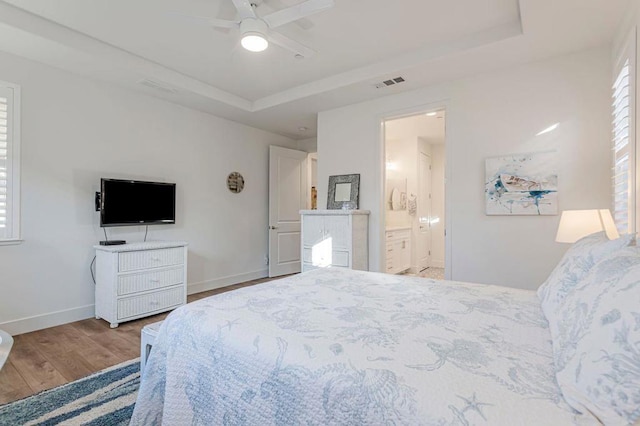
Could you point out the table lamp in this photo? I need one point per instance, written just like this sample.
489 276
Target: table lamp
575 224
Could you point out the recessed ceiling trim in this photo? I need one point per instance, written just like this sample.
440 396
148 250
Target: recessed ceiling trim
393 65
158 85
110 57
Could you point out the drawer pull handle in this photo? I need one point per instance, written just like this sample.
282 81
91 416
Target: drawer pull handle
154 303
390 250
154 280
155 259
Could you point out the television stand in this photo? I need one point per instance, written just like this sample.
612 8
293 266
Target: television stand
138 280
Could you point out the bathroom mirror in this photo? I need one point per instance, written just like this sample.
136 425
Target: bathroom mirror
396 194
343 191
396 199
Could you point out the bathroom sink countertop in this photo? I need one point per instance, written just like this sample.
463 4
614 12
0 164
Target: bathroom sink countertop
397 228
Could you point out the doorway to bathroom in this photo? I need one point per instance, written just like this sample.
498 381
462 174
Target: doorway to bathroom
414 194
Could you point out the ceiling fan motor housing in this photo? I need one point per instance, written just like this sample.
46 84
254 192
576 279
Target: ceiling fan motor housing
255 26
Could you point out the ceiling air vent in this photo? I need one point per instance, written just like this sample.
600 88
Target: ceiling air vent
390 82
157 85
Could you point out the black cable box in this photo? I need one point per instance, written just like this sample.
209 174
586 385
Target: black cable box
113 243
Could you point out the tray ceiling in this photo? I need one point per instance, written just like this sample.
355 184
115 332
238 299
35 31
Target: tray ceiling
359 43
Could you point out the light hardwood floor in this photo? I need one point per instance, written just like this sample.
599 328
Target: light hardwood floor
54 356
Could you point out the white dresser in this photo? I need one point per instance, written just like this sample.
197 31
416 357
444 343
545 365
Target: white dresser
335 238
140 279
398 250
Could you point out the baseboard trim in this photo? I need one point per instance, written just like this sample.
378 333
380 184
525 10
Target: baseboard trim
194 288
38 322
52 319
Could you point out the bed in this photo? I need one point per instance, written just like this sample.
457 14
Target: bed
336 346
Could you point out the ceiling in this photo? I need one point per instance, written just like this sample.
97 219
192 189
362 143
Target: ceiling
358 43
431 128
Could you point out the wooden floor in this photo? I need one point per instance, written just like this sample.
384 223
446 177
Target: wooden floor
54 356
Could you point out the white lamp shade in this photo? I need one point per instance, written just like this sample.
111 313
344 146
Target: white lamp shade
575 224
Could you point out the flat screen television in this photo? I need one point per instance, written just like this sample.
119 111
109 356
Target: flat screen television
130 202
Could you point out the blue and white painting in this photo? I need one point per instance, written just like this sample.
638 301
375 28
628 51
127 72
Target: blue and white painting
522 184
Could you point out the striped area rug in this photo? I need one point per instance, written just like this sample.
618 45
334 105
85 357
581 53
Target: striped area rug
104 398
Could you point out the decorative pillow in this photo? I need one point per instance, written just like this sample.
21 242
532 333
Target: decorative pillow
596 340
575 265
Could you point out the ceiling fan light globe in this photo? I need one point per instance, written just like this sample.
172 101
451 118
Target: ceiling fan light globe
254 42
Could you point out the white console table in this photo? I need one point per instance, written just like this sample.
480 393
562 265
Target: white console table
141 279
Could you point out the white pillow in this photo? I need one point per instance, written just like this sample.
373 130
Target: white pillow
596 341
575 265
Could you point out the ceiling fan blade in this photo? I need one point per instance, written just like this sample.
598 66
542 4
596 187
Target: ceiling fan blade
245 10
296 12
291 45
223 23
270 6
214 22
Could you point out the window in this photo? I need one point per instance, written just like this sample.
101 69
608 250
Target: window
9 162
624 150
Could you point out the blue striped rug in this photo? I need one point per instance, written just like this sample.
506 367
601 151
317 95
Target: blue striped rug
104 398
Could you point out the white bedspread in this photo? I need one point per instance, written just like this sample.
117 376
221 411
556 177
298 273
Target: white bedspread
335 346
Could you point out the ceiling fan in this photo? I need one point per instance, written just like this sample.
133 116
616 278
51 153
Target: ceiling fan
258 31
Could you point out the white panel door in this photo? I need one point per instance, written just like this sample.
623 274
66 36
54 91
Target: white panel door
287 196
423 244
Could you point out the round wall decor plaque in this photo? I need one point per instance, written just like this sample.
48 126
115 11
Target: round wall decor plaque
235 182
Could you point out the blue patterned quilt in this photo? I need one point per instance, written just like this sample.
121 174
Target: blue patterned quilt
342 347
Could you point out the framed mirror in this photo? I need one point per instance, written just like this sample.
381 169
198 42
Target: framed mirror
344 191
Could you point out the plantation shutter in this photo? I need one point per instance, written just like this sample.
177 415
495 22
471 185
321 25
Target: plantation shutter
622 173
624 155
9 193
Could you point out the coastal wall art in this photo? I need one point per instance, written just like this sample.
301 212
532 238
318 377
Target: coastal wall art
522 184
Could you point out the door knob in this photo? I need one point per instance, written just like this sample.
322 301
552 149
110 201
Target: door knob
273 227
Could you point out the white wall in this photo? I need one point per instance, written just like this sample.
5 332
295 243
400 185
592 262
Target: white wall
308 145
437 204
75 131
488 115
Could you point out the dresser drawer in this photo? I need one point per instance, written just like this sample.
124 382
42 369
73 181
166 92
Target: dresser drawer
307 255
136 260
145 281
308 267
403 234
151 302
338 258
